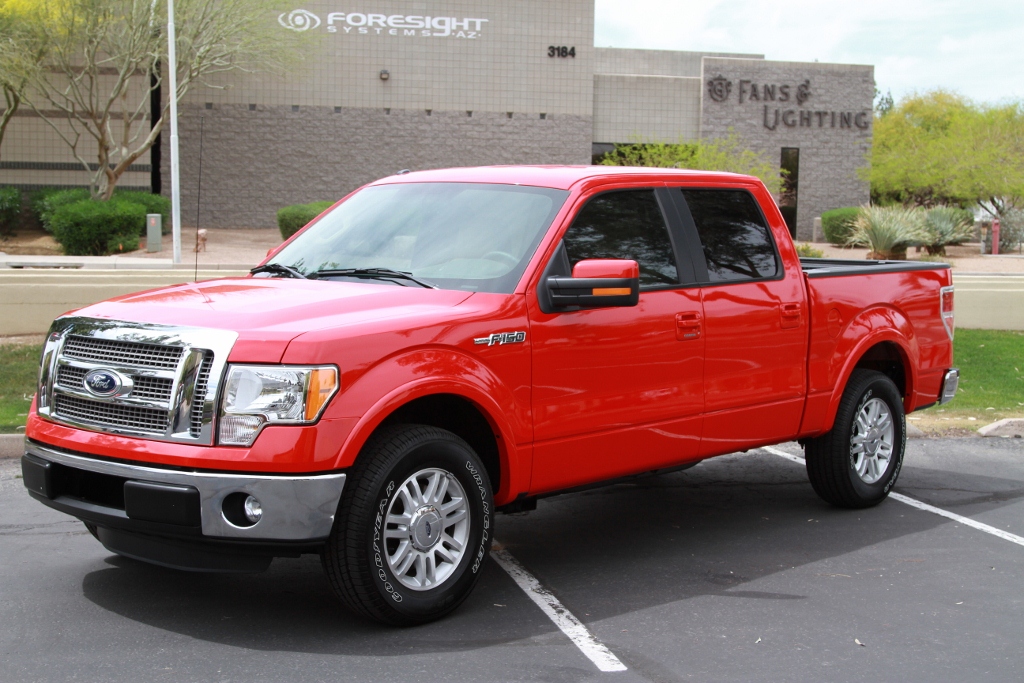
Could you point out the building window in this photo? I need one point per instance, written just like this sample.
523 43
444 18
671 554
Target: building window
790 182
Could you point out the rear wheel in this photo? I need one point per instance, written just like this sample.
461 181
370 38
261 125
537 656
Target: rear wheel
856 464
413 528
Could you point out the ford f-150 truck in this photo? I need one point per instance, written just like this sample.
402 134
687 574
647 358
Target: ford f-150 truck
442 345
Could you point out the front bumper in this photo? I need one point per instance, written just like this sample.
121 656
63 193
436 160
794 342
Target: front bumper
298 510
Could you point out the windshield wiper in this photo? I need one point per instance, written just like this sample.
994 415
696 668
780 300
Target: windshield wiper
370 273
278 268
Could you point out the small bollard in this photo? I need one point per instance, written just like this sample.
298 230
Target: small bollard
995 236
153 232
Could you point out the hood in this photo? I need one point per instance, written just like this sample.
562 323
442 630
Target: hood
267 313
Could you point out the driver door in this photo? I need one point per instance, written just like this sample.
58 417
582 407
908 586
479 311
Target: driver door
618 391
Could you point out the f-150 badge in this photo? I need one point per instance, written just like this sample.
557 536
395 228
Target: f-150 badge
502 338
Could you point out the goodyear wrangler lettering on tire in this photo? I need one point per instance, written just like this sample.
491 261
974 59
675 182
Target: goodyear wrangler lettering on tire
377 560
484 545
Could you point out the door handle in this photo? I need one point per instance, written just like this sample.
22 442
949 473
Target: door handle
688 326
791 315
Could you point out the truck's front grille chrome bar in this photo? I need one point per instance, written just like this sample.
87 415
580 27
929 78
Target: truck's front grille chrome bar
163 381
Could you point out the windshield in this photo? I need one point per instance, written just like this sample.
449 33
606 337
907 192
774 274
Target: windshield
471 236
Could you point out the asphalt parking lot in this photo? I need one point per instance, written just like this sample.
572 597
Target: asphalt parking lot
732 571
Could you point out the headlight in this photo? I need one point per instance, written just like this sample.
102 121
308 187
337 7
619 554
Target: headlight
255 395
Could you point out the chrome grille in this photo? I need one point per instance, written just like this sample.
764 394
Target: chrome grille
134 354
103 414
202 384
175 375
70 377
152 388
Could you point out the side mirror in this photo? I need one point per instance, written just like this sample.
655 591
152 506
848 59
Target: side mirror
596 283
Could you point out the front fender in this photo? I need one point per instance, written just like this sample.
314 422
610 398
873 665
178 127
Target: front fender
438 370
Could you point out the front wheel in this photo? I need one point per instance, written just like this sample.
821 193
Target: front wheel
413 527
856 464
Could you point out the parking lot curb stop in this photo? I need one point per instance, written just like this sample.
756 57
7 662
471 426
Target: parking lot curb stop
1010 427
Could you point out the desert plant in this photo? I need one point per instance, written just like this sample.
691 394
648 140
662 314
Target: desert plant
945 226
292 218
807 251
888 231
10 209
838 223
95 228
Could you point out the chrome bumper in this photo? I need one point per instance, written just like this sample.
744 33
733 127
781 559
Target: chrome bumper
950 382
295 508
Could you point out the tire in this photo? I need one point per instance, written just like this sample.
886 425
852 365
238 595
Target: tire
398 476
856 464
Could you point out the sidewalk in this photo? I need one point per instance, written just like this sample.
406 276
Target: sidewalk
228 249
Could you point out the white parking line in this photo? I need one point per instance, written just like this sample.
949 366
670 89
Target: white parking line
907 500
556 612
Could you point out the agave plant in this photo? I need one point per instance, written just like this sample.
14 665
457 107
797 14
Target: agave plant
888 230
946 226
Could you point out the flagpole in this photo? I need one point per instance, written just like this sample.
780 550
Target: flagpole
172 74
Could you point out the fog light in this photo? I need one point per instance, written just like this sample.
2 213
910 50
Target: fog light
252 509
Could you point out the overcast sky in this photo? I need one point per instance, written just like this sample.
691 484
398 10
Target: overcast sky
973 47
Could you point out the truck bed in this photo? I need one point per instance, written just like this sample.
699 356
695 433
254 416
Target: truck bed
829 267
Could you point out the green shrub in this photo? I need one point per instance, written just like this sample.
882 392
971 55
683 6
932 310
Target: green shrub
10 209
291 218
837 224
94 228
888 231
152 203
46 204
807 251
945 226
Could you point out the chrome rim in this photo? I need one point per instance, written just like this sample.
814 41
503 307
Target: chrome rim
872 440
427 529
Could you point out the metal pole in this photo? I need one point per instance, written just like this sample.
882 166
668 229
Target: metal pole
172 74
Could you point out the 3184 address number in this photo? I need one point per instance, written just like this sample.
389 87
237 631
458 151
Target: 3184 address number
561 51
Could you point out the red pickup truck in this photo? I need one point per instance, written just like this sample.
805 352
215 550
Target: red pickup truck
442 345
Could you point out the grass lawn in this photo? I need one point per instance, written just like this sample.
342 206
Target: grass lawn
991 366
19 366
991 383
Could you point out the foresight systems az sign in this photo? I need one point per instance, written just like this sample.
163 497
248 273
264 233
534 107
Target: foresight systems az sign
384 25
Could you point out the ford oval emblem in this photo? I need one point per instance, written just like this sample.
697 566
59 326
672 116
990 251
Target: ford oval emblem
102 382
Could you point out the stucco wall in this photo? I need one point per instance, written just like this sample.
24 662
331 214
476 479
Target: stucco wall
831 127
255 162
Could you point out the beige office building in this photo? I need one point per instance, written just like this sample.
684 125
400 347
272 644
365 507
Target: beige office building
389 85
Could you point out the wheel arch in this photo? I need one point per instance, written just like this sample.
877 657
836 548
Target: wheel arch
879 338
459 408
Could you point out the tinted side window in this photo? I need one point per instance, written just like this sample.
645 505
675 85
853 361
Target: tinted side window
737 243
624 225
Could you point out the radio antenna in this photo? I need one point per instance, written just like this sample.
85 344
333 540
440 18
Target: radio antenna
199 195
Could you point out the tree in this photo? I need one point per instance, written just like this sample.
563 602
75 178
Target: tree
940 148
103 62
22 50
721 154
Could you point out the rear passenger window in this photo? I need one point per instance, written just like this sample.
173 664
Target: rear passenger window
737 243
624 225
